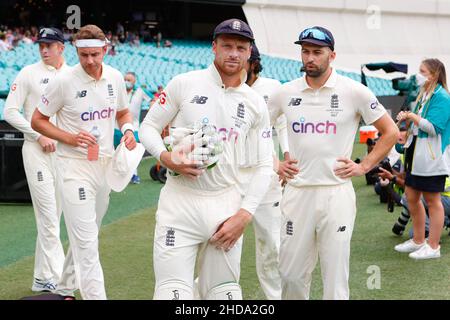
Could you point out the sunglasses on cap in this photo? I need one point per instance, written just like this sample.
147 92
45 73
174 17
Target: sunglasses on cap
313 33
44 31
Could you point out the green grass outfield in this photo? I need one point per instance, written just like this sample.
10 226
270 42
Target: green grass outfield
126 250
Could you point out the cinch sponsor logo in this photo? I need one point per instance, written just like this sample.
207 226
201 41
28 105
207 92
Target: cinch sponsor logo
267 134
44 100
97 115
314 127
228 135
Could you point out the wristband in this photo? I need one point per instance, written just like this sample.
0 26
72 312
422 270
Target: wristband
127 126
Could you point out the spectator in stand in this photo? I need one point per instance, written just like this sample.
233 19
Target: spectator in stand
167 44
120 29
136 41
34 33
158 39
4 46
27 38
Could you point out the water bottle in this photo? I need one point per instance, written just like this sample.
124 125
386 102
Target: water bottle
93 151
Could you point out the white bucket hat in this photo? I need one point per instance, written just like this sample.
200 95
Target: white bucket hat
122 165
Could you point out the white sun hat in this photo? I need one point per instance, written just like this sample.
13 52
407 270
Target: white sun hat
122 165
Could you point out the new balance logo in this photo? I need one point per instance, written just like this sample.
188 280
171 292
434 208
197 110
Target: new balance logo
341 229
40 176
199 99
82 193
290 228
81 94
44 81
295 102
170 238
176 295
229 296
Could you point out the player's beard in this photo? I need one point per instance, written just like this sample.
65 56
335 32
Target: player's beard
230 70
317 72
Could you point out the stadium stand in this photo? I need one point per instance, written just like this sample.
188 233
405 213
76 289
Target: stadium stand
155 66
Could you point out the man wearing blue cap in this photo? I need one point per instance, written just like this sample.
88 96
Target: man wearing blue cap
39 155
204 212
323 111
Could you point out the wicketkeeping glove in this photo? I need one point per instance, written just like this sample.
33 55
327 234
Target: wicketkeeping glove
207 144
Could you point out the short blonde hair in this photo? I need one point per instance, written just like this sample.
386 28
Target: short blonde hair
90 31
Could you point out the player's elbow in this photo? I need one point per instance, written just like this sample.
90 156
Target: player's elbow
36 120
8 115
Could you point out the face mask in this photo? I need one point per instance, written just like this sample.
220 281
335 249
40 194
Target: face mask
420 79
129 85
399 148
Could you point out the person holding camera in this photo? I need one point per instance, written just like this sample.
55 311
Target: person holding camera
426 153
390 184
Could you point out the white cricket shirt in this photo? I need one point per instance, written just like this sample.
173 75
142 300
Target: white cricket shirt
265 87
322 124
80 102
239 114
25 94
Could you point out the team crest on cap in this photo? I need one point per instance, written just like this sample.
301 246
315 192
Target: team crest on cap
236 25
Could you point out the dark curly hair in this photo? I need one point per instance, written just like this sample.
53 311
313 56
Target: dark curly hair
257 66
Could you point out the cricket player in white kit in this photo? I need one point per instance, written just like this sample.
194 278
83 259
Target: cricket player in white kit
206 212
38 154
267 218
91 95
323 110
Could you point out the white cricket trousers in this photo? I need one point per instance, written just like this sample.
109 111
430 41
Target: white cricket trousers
317 223
186 219
85 199
267 225
40 171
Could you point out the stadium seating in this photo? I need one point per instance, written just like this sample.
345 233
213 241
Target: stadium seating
155 66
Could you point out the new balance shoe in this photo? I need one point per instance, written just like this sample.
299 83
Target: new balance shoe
43 286
408 246
135 179
426 252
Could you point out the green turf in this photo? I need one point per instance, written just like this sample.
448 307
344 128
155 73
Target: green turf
126 252
18 227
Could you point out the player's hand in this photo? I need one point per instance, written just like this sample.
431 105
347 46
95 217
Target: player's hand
287 169
231 230
129 139
347 168
384 174
48 145
178 161
83 139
